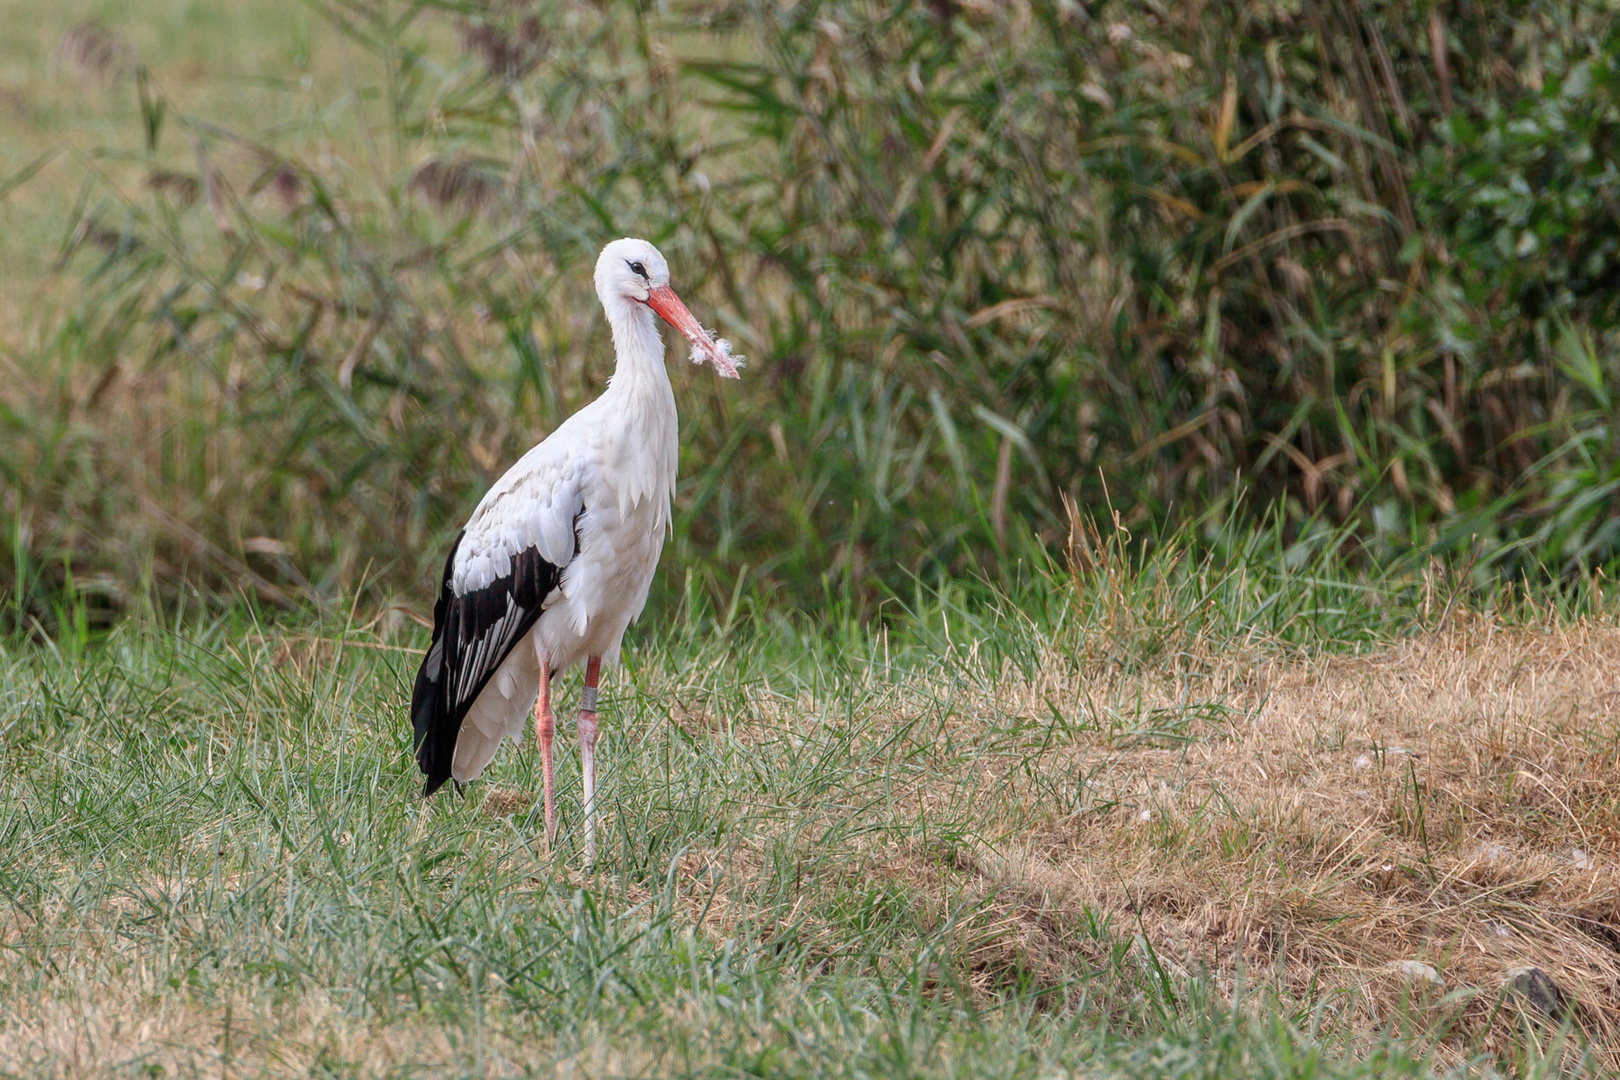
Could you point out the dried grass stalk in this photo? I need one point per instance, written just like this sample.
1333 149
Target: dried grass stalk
469 184
508 54
181 188
96 54
284 184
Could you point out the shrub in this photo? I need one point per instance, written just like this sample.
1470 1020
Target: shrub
982 257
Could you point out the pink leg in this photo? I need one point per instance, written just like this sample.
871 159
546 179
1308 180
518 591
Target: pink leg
587 753
545 729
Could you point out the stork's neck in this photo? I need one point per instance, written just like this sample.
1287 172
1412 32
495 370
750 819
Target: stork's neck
640 366
644 461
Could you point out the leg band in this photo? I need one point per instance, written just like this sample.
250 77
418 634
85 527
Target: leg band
587 702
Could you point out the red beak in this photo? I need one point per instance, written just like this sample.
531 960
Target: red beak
669 307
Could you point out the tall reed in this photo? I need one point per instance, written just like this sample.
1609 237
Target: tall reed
1356 262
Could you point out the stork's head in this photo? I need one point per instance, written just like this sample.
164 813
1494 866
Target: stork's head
633 271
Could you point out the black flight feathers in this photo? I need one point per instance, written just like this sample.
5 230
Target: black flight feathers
472 636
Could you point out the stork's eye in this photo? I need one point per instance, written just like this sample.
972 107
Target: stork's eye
638 269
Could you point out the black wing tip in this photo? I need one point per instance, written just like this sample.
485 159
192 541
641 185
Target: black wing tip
427 697
434 761
432 756
434 783
436 711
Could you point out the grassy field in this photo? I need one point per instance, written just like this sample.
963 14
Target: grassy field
886 794
1172 819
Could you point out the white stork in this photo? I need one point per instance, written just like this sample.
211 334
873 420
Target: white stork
556 560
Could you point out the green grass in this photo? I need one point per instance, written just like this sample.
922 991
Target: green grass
215 859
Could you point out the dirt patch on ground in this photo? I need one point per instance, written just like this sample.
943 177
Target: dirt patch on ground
1450 802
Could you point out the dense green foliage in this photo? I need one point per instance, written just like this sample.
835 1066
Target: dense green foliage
1356 262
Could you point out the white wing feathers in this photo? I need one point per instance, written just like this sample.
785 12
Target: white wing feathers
535 505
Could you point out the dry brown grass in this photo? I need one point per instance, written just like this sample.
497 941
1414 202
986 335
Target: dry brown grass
105 1030
1323 829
